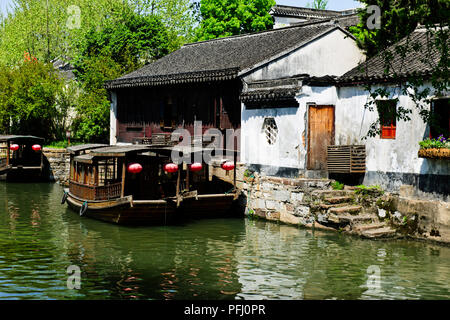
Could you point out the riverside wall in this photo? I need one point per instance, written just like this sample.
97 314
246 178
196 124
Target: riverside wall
56 165
309 203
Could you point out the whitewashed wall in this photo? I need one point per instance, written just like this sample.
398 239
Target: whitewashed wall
334 53
289 151
280 22
389 163
397 155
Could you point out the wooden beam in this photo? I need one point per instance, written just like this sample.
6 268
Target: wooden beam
7 154
178 185
234 171
123 178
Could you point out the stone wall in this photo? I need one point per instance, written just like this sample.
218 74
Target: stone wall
370 213
57 165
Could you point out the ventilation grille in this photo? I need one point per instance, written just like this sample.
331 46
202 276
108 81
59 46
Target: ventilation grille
346 159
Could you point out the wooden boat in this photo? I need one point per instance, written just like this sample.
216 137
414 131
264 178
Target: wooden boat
102 187
21 156
200 195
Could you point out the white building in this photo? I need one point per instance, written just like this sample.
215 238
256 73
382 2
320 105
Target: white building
325 106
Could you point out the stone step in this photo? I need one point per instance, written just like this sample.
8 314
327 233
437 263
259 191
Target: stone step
346 209
336 200
331 193
346 218
364 227
329 206
378 233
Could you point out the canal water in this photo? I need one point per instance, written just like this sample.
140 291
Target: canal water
209 259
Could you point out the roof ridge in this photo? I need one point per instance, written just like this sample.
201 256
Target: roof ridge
302 8
306 24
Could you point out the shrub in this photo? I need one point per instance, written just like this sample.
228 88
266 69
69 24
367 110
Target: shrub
337 185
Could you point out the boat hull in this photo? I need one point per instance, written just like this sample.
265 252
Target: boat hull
125 211
209 206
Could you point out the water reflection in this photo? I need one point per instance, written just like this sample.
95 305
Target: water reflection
210 259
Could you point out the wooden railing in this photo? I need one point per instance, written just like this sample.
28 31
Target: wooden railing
88 192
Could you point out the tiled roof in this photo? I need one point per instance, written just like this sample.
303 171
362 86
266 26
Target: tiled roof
416 62
223 58
307 13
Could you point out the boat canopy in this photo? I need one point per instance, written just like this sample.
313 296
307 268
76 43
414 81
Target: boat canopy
17 138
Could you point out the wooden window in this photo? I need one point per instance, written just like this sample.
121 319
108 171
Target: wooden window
387 110
440 118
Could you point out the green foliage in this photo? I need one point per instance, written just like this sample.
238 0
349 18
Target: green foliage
61 144
318 4
223 18
337 185
438 143
177 15
130 42
366 190
398 20
29 96
109 53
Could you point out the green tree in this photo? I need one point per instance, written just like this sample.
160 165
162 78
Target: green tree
223 18
318 4
177 15
54 30
29 95
397 21
109 53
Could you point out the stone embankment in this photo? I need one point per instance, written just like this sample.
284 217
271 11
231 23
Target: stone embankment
365 212
57 165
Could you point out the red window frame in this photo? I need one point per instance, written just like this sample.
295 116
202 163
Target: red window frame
388 125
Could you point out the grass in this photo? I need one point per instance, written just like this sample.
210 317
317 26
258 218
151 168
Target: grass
61 144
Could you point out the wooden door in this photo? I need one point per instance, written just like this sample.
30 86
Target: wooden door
320 135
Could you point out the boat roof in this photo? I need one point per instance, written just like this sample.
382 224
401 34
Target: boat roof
118 151
19 137
85 147
85 158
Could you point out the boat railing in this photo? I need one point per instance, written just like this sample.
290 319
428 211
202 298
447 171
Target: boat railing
96 193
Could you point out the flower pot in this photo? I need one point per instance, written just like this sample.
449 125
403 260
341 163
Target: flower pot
434 153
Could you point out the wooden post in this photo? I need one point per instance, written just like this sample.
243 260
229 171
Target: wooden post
234 171
124 169
178 186
187 178
95 173
7 154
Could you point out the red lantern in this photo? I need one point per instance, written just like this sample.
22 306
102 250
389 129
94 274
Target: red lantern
36 147
228 166
134 168
171 167
195 167
14 147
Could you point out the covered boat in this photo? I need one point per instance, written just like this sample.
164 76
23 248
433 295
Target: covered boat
140 185
21 156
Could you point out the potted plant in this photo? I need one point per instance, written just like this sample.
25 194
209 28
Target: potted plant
435 148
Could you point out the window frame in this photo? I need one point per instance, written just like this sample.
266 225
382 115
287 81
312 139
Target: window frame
387 131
